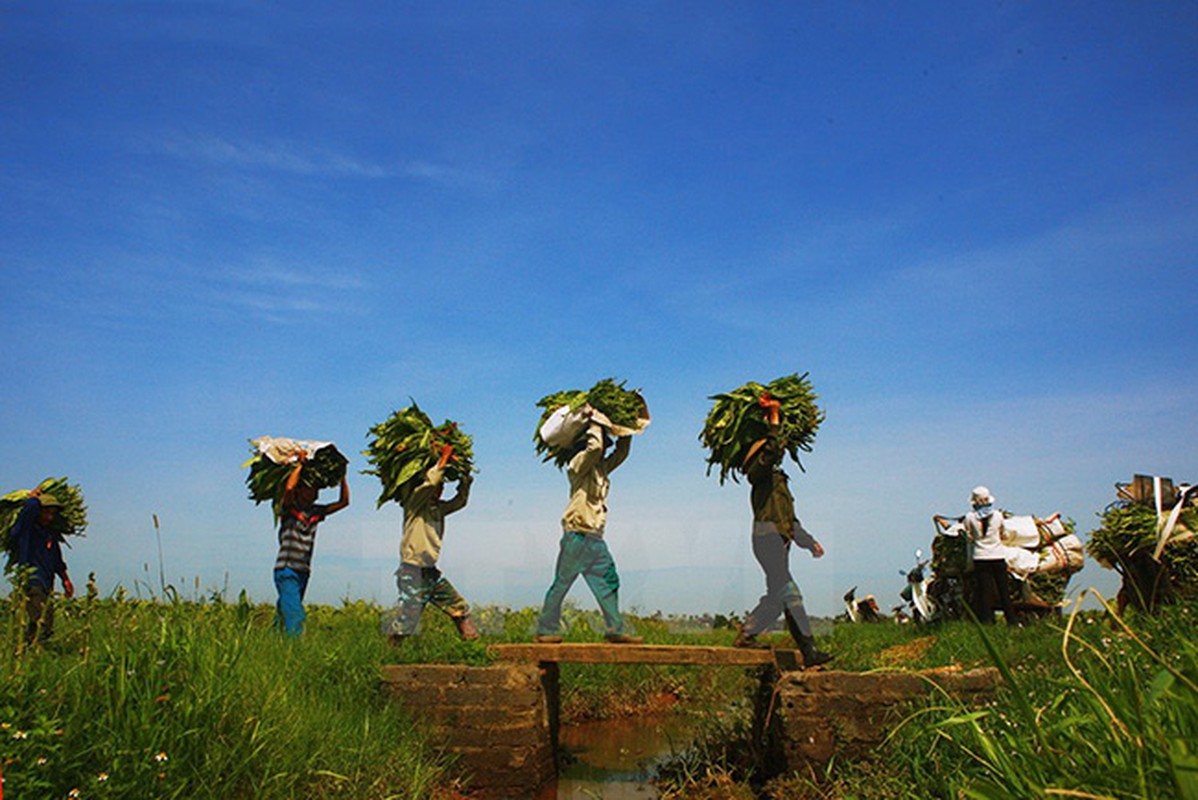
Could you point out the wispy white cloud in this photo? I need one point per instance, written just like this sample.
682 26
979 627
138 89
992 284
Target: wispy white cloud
276 293
276 156
294 158
267 274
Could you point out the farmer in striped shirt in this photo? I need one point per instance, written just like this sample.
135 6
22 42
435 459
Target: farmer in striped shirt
297 537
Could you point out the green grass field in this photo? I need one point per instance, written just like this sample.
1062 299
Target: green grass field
137 699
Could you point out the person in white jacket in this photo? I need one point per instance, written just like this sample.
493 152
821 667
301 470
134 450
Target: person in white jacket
987 584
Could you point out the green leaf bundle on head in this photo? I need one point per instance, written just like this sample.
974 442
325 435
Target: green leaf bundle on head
737 420
71 519
625 408
407 444
275 459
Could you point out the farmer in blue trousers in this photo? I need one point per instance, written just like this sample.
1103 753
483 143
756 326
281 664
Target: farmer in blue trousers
37 555
297 538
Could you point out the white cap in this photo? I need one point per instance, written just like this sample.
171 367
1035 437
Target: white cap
981 496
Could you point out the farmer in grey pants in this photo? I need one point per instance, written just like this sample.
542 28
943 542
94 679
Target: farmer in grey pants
775 526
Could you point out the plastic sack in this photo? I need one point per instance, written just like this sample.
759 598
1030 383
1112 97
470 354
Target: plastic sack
1021 532
1062 555
281 450
1021 562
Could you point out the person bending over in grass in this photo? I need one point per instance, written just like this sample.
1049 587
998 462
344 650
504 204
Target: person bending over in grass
775 527
582 550
299 516
418 579
38 560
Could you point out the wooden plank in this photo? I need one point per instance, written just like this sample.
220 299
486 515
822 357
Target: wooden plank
588 653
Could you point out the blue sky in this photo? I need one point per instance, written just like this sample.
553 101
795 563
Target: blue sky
974 224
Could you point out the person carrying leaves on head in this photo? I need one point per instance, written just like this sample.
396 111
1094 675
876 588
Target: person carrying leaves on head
37 548
298 517
775 527
418 579
583 550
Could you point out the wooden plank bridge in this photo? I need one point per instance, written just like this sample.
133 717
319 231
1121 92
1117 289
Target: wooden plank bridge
603 653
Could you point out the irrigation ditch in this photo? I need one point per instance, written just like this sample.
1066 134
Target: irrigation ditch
502 722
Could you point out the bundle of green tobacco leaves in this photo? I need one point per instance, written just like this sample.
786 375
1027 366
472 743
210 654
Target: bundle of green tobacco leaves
71 519
407 444
625 408
737 420
275 459
1129 531
1048 587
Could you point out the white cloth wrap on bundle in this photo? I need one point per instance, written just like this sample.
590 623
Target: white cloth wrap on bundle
284 451
562 427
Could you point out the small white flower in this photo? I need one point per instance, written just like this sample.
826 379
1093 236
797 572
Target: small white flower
161 756
20 735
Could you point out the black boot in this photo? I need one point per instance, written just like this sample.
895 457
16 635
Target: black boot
812 656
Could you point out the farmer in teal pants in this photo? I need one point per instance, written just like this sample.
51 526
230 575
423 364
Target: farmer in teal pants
583 550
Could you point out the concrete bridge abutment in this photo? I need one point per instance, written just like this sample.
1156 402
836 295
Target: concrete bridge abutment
500 722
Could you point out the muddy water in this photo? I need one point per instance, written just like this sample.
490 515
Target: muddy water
616 759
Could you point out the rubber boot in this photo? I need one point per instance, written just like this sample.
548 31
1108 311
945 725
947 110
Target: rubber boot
812 656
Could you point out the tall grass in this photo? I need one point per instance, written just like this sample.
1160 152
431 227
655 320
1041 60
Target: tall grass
142 699
1091 706
203 699
1118 717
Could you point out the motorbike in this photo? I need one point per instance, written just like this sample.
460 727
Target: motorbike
863 610
919 600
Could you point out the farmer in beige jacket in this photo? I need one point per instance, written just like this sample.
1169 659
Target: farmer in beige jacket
419 580
583 550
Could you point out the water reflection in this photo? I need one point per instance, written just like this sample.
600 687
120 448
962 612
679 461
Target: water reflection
616 759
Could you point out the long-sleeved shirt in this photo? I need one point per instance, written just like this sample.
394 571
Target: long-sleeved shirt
424 518
986 535
589 483
37 546
770 498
